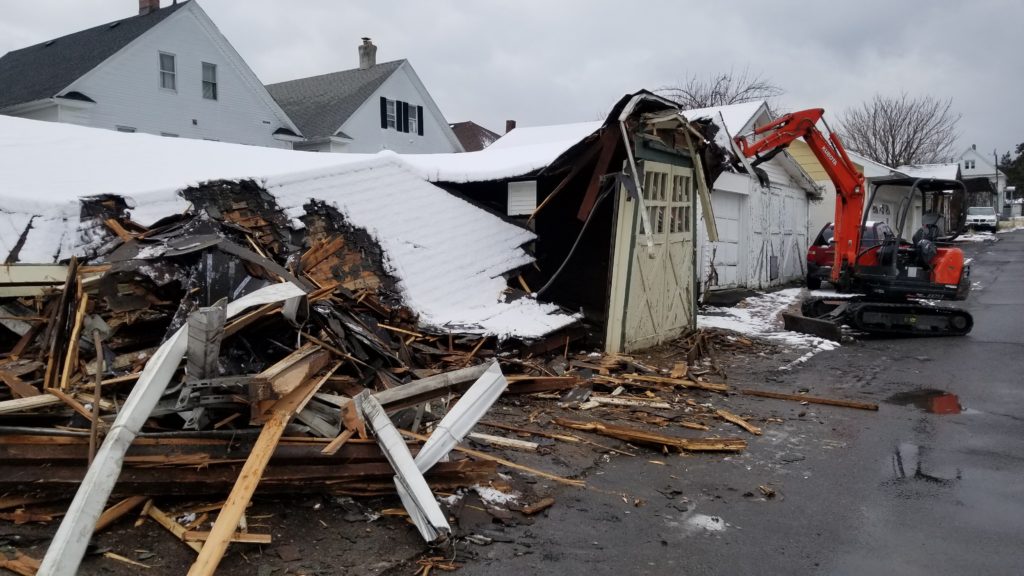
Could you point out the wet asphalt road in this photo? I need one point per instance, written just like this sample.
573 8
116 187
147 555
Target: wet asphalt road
898 491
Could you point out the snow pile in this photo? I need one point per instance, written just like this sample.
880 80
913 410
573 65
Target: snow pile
759 316
518 153
976 237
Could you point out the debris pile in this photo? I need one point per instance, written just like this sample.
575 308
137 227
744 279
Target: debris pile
220 351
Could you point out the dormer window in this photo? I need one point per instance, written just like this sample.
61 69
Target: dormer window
968 164
168 72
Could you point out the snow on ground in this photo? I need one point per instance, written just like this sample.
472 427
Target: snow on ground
759 316
977 237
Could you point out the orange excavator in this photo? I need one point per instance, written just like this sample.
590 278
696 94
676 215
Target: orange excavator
895 280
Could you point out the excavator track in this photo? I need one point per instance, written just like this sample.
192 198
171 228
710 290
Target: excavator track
890 318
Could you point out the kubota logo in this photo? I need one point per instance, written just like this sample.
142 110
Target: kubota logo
828 154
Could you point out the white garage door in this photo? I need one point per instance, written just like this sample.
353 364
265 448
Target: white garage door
725 254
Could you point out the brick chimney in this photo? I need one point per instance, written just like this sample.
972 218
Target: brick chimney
147 6
510 125
367 54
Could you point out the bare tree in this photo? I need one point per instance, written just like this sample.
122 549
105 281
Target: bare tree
899 130
721 90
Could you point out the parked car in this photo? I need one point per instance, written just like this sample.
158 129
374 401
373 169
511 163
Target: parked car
822 253
982 217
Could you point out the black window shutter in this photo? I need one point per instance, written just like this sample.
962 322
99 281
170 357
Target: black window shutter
398 116
405 116
419 120
383 112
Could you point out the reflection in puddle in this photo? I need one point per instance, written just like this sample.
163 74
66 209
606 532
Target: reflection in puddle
934 401
908 464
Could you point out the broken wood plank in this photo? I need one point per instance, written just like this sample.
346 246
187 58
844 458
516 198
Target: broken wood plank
810 399
71 359
19 388
685 383
336 444
538 506
227 520
74 404
502 442
638 436
169 523
237 537
634 402
730 417
504 462
117 511
21 564
25 404
418 390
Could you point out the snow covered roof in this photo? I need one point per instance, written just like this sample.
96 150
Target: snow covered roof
947 171
872 169
736 116
520 152
447 254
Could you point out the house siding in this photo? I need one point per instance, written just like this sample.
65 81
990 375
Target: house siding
368 137
48 114
127 89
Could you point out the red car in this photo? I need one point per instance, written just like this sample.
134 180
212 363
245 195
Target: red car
822 254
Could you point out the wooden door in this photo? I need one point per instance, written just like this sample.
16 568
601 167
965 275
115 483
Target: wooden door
652 293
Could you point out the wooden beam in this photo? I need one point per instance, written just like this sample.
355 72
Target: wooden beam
117 511
169 523
733 418
31 403
71 359
74 404
810 399
19 387
227 520
237 537
577 166
638 436
608 143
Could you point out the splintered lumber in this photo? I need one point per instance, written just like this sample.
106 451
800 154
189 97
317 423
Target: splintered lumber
525 384
810 399
21 564
502 442
169 523
237 537
503 462
685 383
418 391
71 359
571 438
18 387
74 404
227 520
633 402
730 417
538 506
638 436
30 403
115 512
336 444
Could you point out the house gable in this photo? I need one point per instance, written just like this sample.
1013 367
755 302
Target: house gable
128 94
364 125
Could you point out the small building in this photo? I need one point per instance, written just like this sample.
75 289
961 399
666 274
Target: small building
614 207
762 230
166 71
367 109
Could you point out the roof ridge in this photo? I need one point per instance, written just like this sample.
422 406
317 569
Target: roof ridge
326 74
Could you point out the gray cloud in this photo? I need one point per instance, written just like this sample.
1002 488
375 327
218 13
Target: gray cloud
543 62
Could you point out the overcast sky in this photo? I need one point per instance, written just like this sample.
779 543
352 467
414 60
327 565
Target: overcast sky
558 61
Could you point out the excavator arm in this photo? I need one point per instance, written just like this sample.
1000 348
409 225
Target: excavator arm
771 139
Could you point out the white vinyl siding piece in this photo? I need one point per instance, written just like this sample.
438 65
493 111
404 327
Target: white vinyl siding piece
522 198
209 81
168 72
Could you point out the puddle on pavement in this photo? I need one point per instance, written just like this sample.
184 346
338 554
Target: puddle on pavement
929 400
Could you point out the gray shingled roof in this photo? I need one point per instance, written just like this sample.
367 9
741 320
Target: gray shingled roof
319 105
43 70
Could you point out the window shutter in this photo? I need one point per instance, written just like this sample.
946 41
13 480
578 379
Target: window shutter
405 116
383 112
419 120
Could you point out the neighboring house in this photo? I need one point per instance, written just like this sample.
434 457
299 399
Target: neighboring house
974 165
473 136
367 109
762 232
945 171
166 71
824 212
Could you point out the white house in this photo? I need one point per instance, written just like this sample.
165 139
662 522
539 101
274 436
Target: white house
166 71
973 164
762 231
367 109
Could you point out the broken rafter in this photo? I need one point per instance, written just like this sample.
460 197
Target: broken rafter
810 399
638 436
733 418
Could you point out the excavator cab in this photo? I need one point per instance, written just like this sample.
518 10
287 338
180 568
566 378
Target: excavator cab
917 262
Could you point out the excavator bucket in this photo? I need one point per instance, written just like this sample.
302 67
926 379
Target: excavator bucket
821 328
